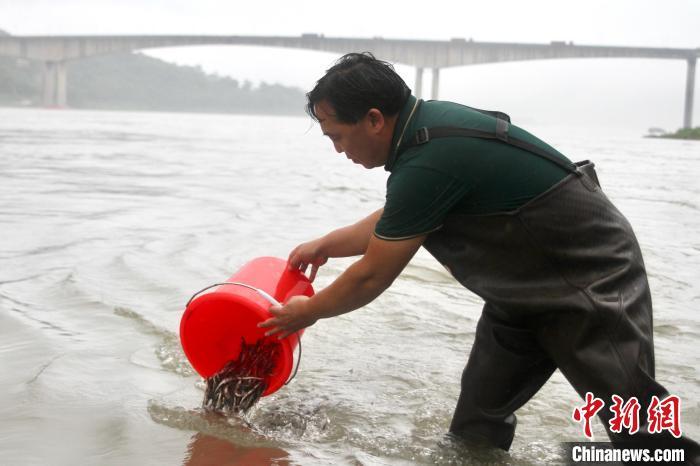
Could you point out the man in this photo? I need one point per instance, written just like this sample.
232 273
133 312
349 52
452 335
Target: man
514 221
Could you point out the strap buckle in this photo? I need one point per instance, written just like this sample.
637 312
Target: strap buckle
422 135
502 129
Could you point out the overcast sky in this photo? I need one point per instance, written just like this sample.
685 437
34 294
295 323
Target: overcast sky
627 92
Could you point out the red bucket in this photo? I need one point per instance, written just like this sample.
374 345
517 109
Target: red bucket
214 323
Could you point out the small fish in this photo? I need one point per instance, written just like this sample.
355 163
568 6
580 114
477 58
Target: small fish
239 385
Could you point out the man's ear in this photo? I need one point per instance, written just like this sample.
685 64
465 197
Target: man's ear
375 118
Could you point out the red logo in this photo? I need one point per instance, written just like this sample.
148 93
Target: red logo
665 415
587 411
626 415
661 414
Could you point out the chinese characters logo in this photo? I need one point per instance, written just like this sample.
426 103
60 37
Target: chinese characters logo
661 414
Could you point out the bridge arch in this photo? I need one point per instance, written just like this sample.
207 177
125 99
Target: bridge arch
54 51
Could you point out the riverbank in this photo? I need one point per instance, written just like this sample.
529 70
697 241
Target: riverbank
684 133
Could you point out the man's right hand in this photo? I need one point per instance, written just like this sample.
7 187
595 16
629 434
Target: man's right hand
306 254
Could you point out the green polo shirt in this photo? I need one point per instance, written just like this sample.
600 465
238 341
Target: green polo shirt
457 174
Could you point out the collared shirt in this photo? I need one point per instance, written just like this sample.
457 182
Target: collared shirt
401 130
456 174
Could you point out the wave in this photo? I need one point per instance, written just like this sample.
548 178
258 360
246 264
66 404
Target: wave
168 351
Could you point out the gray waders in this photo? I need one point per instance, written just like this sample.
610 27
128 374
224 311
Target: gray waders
565 287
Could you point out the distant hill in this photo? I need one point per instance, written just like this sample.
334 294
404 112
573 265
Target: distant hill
133 81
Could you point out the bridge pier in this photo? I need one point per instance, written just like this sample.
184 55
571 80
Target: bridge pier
436 84
55 84
689 91
418 89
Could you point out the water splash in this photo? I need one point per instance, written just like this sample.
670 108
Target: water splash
168 350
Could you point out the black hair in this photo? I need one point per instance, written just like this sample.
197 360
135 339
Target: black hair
356 83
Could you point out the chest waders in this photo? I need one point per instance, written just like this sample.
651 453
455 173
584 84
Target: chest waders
565 287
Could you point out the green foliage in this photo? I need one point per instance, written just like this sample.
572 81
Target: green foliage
683 133
138 82
686 133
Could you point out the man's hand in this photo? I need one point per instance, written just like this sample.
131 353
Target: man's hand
306 254
351 240
291 317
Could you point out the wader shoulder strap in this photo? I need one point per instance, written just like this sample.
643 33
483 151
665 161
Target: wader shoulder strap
425 134
492 113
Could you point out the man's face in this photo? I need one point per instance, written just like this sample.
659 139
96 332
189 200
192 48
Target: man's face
365 142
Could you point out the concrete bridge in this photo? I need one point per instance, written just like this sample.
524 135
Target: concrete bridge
55 51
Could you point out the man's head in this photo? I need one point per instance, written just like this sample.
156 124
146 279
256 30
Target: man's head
357 103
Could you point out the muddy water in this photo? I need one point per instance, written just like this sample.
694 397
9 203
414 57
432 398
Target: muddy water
110 221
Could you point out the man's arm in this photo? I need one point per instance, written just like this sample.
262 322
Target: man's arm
359 285
351 240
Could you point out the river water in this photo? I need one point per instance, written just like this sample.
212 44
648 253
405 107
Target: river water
109 221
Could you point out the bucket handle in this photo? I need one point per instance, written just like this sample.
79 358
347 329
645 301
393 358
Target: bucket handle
267 298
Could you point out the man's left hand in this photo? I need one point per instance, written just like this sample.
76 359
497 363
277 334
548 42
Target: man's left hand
289 318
